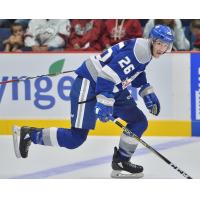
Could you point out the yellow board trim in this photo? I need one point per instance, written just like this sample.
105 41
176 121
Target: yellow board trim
156 127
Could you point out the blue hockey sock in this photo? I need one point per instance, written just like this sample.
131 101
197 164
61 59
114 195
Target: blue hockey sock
69 138
123 155
36 137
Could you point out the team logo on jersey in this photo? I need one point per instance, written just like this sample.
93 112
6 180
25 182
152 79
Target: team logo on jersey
126 83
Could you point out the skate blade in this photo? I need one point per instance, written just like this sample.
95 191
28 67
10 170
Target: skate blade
125 175
16 134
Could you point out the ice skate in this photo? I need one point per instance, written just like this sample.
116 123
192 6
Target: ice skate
21 140
125 169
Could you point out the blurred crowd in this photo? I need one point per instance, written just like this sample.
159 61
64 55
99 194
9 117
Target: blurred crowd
39 35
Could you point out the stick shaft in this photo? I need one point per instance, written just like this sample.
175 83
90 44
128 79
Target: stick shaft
33 77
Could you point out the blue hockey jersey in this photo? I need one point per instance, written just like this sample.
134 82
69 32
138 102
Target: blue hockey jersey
118 66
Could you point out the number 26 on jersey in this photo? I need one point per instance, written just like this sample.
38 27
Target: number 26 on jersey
125 65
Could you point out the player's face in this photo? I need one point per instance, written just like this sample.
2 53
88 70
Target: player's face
159 48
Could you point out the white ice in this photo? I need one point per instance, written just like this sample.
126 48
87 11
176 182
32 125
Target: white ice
93 159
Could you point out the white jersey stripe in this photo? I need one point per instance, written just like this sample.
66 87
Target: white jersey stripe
96 63
81 107
106 69
95 69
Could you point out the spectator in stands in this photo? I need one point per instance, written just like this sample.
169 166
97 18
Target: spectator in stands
44 34
85 34
181 42
16 41
192 33
117 30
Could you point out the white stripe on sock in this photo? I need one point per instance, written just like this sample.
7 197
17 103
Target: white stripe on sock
53 136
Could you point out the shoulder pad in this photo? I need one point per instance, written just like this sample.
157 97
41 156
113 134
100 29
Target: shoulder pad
142 50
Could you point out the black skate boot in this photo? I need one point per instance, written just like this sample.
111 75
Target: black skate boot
21 147
125 169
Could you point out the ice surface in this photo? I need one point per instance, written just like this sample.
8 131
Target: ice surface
93 159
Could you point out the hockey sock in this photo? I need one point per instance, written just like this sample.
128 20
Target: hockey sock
127 144
69 138
36 137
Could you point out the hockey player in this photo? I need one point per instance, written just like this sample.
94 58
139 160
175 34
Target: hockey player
99 91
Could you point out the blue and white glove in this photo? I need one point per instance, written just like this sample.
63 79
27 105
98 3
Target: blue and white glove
104 106
150 99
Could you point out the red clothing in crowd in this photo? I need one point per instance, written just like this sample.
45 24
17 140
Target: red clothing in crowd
117 30
197 42
85 34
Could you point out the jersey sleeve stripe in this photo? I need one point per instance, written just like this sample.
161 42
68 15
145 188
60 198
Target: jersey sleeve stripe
95 69
111 73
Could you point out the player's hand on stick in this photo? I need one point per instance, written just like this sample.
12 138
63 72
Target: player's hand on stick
150 99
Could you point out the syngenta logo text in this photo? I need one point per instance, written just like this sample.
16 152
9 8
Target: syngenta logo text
44 89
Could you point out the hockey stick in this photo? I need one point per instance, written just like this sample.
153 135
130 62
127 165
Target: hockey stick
39 76
130 133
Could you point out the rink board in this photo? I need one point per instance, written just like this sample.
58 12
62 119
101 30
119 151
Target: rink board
45 102
156 128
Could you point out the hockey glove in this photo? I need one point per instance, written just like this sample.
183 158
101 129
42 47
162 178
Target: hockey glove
150 99
104 106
